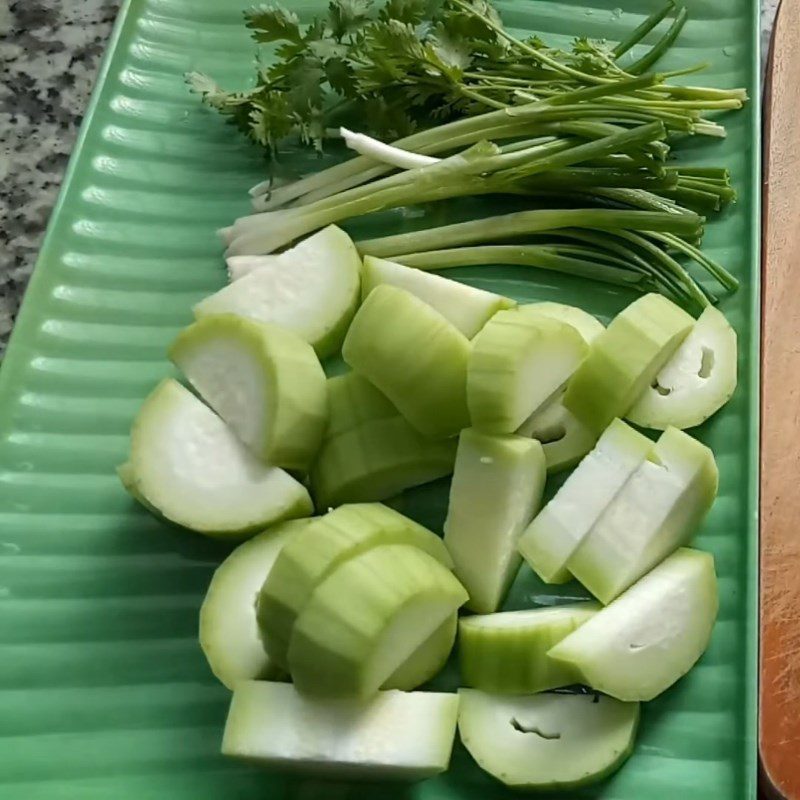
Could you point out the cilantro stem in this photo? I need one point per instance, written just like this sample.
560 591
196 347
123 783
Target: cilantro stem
661 47
642 30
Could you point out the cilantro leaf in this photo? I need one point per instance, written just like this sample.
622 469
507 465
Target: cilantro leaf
346 16
273 24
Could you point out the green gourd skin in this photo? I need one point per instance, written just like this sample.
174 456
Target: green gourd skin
313 554
419 361
506 653
519 360
625 359
376 461
367 618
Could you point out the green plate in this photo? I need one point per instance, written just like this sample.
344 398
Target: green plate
104 692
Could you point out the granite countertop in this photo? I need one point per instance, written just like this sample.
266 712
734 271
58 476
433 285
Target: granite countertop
48 63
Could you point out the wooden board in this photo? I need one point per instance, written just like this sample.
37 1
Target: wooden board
780 421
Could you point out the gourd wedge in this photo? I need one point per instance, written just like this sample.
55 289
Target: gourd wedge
464 306
376 461
625 359
565 439
352 401
519 360
264 381
650 636
412 354
506 653
547 741
427 660
655 512
321 548
367 617
496 489
239 266
187 464
588 327
229 634
696 382
560 527
314 294
393 735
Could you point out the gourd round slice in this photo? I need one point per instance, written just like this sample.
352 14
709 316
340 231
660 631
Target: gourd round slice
559 528
229 634
264 381
547 741
565 439
314 553
412 354
376 461
391 736
588 327
696 382
188 465
496 489
314 292
352 401
625 359
657 510
464 306
506 653
652 634
367 617
518 361
427 660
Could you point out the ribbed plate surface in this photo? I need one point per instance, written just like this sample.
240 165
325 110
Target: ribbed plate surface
103 689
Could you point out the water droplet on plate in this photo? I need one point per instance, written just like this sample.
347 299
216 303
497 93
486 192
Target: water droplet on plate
616 13
9 548
727 51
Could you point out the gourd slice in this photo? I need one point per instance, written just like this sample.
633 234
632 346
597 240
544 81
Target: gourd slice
696 382
506 653
412 354
464 306
625 359
559 528
264 381
188 465
367 617
652 634
393 735
496 489
547 741
314 293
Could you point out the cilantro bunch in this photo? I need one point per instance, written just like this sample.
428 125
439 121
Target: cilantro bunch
396 68
405 65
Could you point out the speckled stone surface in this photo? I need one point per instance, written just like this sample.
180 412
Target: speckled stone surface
49 54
